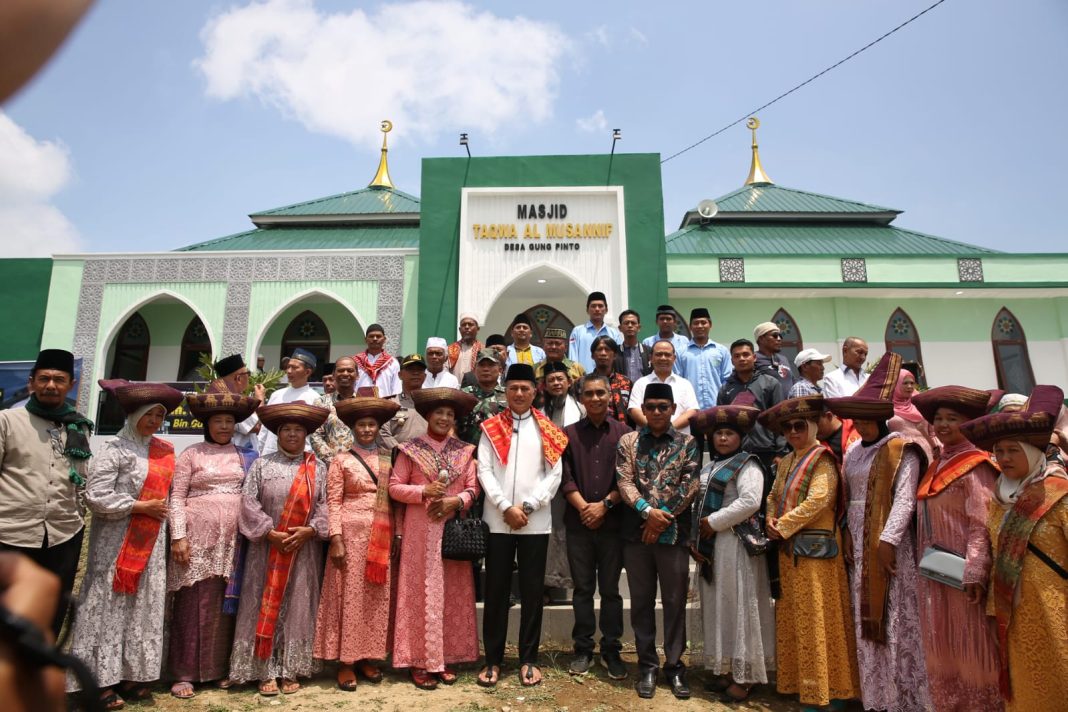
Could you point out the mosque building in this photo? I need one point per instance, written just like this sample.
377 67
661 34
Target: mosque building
498 236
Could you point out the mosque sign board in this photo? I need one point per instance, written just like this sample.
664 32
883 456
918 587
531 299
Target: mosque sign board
509 232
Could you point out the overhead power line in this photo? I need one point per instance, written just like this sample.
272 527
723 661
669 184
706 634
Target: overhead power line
811 79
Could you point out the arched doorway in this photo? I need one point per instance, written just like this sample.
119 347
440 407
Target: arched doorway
1011 359
902 338
792 344
131 350
194 342
315 321
542 317
309 332
549 297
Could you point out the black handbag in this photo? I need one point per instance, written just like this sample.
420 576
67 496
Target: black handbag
464 538
815 544
751 534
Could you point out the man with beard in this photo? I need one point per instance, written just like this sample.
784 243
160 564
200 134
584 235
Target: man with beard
463 354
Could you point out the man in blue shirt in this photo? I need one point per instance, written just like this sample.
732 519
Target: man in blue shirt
582 336
665 324
705 363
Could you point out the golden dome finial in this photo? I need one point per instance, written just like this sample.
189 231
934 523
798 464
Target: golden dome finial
381 179
757 176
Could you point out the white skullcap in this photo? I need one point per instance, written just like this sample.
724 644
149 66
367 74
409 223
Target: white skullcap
468 315
436 342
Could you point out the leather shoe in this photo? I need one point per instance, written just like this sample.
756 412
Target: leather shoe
679 688
646 685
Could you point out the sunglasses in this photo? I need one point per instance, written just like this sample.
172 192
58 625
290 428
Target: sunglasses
658 407
795 426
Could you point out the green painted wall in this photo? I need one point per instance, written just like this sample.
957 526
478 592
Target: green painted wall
343 328
26 284
269 299
443 179
63 294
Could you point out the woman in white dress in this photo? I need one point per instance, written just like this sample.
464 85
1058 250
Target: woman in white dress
738 620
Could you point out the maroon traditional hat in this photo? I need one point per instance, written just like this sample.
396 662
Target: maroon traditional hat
740 416
427 400
875 399
220 402
310 417
807 407
969 402
350 410
1033 425
132 396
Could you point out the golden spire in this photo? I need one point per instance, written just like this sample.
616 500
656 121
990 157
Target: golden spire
757 176
381 179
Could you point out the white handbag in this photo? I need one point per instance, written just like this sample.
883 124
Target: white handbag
939 564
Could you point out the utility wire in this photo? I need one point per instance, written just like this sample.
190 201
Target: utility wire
807 81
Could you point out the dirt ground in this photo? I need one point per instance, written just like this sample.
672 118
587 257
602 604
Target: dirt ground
559 692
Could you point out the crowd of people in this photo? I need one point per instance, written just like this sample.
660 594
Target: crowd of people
848 535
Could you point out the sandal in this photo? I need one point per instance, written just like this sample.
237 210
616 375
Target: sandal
225 683
269 688
370 673
346 678
112 701
526 675
447 676
183 690
736 692
423 680
134 691
289 686
488 676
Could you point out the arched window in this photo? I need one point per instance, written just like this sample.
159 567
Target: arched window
194 342
1010 354
131 350
544 317
308 332
903 339
791 337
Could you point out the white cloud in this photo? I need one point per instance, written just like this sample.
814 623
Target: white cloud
596 122
429 67
638 36
599 35
31 173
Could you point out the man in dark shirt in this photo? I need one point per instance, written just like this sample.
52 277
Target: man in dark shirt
634 357
767 390
594 549
768 340
656 472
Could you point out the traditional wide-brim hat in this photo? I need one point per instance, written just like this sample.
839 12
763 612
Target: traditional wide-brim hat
308 416
352 409
427 400
1033 425
875 399
220 402
807 407
740 416
132 396
969 402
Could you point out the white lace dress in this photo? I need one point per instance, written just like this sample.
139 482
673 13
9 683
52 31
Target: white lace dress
119 636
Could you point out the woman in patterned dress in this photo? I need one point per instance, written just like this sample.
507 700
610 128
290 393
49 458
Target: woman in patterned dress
352 625
434 476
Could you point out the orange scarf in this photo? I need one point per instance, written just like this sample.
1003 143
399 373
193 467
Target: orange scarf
295 513
142 531
454 354
942 474
499 431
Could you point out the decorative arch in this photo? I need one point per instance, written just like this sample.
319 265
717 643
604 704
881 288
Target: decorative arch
542 317
541 267
902 338
131 350
308 331
792 344
195 341
313 292
1011 360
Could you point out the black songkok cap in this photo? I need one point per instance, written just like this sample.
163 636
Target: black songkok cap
665 309
231 364
520 372
375 327
495 340
55 359
595 297
700 313
658 391
521 319
328 369
554 367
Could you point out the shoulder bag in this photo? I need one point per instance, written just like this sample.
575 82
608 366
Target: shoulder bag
940 564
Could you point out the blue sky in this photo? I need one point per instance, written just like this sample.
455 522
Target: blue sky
163 124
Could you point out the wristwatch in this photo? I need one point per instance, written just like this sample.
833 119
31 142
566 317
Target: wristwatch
608 504
645 512
527 508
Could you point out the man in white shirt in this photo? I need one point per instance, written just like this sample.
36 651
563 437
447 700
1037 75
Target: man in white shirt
298 369
663 360
376 368
519 469
437 376
847 379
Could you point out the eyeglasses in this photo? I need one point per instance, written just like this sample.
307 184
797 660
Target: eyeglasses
775 335
658 407
795 426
